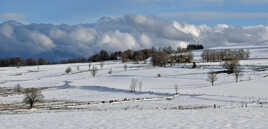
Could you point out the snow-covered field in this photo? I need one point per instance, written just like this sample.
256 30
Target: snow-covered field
137 119
80 101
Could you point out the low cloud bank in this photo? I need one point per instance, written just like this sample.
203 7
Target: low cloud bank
128 32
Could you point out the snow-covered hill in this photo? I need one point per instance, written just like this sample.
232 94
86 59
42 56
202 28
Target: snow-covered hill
78 100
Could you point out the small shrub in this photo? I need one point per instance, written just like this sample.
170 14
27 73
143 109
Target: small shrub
194 65
110 71
125 99
169 98
18 88
68 70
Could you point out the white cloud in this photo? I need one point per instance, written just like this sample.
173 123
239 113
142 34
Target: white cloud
211 15
118 41
6 30
84 35
122 33
12 16
41 40
188 29
145 41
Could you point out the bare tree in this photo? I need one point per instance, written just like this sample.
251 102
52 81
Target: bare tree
94 71
18 88
89 66
101 65
223 54
237 73
133 85
140 86
32 96
68 70
176 87
231 65
212 77
78 68
125 67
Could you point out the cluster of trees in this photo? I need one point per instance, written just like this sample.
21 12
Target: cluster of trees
224 54
125 56
141 55
195 47
74 60
162 58
232 67
169 55
17 61
185 57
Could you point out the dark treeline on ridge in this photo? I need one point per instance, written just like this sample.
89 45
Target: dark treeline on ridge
103 55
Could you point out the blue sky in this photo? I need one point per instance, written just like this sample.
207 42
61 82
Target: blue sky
211 12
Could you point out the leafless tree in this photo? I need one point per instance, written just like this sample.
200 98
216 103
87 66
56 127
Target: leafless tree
176 87
89 66
231 65
125 67
101 65
223 54
78 68
18 88
140 85
94 71
237 73
32 96
212 77
133 85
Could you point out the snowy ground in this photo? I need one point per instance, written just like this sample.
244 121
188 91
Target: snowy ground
78 100
138 119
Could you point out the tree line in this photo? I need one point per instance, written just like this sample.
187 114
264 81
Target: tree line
224 54
161 57
18 61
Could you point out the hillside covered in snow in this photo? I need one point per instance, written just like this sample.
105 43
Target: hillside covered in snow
137 95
